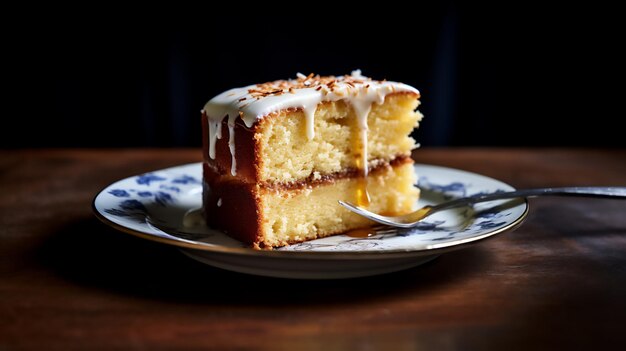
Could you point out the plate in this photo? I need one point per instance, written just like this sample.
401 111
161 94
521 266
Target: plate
164 206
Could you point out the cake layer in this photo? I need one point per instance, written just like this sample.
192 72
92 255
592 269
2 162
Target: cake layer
272 217
277 148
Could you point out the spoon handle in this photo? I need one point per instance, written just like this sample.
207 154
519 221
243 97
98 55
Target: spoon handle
591 191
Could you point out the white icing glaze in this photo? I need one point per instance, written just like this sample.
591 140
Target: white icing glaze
231 143
254 102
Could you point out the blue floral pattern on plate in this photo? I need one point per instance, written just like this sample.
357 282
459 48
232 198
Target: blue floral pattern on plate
154 204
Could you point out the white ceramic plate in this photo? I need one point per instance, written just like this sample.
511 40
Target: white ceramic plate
153 206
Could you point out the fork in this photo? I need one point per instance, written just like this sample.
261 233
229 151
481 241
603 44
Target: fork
412 219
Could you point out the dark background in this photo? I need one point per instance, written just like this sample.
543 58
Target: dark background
489 76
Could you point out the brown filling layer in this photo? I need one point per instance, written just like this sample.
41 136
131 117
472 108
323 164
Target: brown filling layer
329 178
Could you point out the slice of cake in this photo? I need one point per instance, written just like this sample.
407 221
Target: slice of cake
279 156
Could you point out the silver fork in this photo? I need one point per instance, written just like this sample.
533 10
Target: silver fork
411 219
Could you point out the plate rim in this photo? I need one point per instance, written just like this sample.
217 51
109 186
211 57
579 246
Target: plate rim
342 255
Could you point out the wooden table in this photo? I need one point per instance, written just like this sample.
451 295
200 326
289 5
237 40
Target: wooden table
69 282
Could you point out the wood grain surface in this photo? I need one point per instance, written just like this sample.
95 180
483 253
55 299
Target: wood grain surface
69 282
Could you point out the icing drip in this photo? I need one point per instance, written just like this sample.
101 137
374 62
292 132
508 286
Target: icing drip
231 144
254 102
309 114
215 132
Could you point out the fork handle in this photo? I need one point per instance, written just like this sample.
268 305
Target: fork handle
590 191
